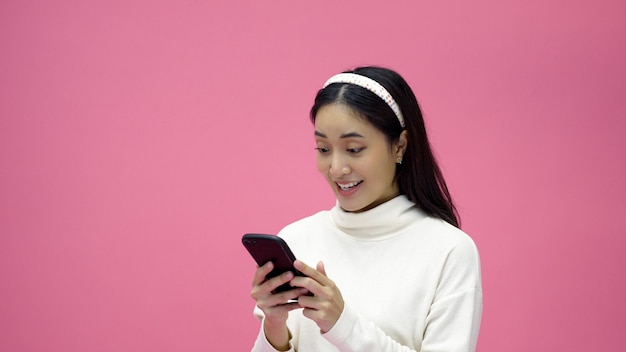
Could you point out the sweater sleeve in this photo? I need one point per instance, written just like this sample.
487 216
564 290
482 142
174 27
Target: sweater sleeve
453 320
352 333
453 323
453 327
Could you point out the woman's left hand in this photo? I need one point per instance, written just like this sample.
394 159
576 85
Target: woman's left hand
325 307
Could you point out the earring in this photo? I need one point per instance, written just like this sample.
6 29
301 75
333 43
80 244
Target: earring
399 161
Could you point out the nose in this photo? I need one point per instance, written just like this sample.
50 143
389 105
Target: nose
338 167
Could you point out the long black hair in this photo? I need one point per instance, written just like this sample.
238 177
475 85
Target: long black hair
419 177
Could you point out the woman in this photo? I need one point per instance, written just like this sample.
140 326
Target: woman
394 272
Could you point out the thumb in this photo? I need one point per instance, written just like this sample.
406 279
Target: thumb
321 268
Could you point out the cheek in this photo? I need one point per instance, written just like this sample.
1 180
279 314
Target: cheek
321 165
387 169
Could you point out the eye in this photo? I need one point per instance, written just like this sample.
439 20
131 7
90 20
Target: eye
354 150
322 150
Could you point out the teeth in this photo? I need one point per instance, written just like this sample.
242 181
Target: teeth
347 186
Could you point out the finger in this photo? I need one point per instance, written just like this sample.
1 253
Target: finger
310 272
321 269
281 298
277 309
286 298
273 283
292 296
282 308
261 273
265 290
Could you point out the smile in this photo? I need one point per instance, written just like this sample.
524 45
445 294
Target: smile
348 186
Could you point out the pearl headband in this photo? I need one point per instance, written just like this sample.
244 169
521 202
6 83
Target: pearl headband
372 86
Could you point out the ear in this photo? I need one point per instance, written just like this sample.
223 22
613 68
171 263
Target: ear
399 147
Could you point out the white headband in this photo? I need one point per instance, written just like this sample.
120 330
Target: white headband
372 86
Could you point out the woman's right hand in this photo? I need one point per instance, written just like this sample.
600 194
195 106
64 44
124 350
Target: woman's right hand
275 306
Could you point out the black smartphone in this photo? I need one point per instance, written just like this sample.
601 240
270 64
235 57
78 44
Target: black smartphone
270 248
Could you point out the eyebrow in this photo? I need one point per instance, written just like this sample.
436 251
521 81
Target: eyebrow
345 135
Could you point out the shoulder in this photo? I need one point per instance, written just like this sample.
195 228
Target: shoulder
458 256
447 235
449 248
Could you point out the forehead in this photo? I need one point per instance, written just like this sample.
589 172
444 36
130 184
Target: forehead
337 119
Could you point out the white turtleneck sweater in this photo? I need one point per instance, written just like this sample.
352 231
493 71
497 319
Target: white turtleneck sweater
410 282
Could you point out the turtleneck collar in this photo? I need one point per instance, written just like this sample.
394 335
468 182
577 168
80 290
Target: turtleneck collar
380 222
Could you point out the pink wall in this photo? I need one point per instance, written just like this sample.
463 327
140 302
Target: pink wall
140 139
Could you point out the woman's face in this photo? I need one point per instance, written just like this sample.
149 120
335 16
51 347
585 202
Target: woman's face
355 158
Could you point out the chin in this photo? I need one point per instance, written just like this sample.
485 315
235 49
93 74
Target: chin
350 207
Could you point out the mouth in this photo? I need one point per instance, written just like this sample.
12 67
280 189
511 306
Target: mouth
348 186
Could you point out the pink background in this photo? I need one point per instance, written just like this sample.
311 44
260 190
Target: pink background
140 139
